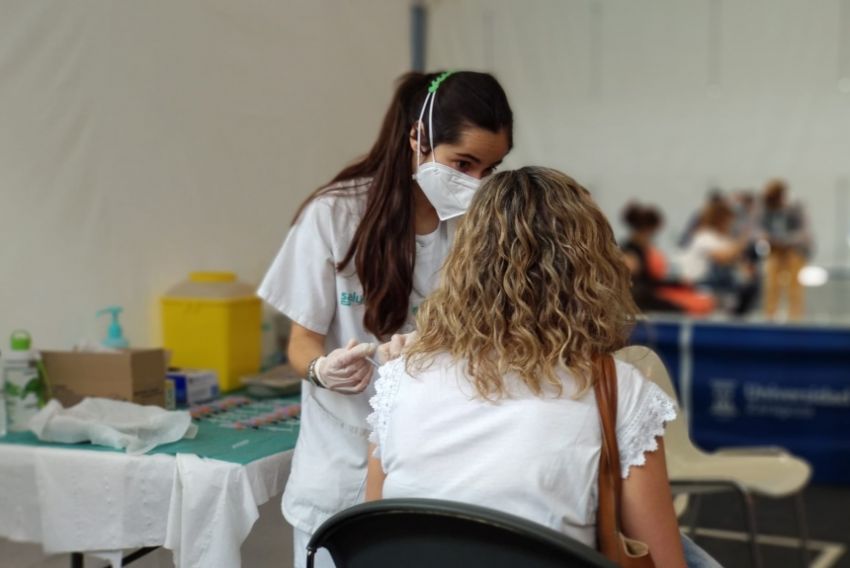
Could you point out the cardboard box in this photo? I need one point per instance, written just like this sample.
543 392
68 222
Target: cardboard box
192 386
135 375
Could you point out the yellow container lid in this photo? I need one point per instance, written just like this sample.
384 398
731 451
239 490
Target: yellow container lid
211 286
212 277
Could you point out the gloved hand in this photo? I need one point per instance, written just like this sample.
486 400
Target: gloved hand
346 370
394 347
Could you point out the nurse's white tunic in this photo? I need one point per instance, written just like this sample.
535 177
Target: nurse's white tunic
329 465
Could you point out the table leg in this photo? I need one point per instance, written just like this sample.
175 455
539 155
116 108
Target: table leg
138 554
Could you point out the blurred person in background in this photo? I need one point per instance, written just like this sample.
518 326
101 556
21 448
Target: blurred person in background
747 224
714 195
747 216
787 232
646 263
653 288
714 259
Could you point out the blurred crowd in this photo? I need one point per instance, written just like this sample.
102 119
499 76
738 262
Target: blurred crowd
737 250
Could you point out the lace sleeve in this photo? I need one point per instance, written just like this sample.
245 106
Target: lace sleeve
386 387
650 409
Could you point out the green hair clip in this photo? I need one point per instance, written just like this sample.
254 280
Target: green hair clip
435 84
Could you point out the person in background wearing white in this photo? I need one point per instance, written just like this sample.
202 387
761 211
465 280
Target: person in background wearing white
362 253
714 259
492 403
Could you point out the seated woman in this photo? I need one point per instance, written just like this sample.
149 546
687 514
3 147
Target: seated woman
493 404
652 289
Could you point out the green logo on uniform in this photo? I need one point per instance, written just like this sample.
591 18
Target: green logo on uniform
355 299
350 299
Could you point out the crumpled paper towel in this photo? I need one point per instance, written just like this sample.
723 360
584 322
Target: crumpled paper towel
113 423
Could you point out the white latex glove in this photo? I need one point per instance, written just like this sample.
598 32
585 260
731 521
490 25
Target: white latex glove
395 346
346 370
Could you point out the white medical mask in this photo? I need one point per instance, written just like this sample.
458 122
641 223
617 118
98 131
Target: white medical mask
448 190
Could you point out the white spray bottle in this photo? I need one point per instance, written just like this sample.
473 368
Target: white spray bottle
24 384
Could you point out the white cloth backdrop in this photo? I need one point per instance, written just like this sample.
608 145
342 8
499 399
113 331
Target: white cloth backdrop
660 100
142 140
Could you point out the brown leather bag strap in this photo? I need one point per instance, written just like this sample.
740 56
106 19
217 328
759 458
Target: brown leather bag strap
610 481
614 545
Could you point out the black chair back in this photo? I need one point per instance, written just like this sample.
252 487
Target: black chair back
427 533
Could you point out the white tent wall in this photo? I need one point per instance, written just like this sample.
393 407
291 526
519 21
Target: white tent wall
660 100
142 140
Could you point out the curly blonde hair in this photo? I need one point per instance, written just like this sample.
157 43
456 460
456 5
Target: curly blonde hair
534 284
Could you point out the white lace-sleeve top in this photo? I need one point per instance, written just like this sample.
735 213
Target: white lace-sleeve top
535 457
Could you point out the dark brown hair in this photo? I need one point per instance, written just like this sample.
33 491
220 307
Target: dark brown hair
716 215
774 193
639 217
384 248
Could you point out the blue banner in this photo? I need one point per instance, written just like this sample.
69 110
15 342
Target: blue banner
768 385
762 385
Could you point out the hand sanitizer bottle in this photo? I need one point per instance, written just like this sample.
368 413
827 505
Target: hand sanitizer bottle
114 335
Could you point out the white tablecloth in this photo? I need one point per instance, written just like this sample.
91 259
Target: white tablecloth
72 500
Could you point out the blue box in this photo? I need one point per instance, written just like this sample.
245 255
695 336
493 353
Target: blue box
193 386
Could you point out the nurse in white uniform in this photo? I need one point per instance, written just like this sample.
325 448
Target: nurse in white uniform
362 253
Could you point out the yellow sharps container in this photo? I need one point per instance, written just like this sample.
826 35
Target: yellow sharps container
212 321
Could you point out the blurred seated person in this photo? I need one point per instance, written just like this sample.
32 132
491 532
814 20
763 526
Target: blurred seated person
717 261
653 290
493 404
